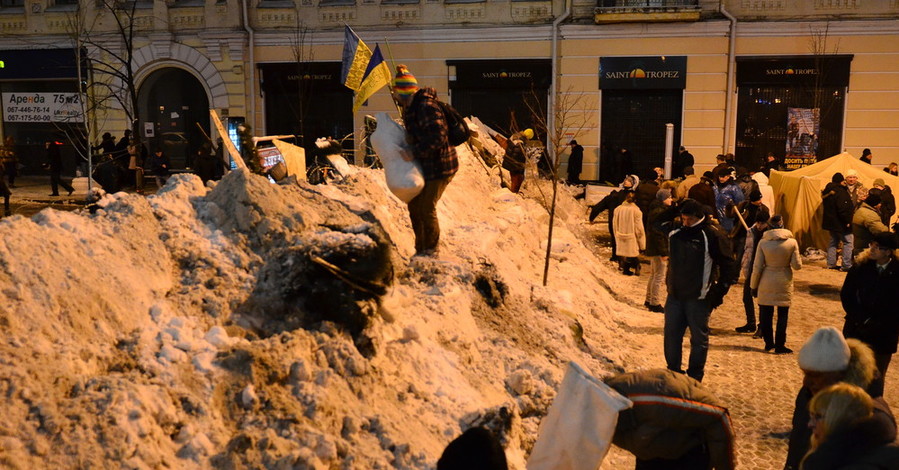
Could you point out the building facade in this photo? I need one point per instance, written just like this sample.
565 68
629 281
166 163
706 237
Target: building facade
801 79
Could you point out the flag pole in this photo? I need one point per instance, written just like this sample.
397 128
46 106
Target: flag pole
393 70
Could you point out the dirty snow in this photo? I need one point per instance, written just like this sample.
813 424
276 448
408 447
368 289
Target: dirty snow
153 334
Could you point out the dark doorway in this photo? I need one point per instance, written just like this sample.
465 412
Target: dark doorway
507 95
176 104
307 100
635 120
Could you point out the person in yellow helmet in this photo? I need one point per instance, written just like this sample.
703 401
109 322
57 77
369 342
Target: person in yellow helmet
515 158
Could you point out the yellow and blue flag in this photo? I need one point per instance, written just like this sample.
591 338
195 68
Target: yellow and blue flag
377 76
356 57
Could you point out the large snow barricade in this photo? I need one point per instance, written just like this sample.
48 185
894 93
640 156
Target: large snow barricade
252 325
404 176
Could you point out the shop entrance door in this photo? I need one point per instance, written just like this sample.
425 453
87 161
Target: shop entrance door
175 103
635 120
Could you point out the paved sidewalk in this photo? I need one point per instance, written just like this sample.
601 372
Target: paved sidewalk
759 388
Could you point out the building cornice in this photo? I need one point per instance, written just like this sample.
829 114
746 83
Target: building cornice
412 36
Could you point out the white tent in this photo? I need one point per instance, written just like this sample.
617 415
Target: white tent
798 194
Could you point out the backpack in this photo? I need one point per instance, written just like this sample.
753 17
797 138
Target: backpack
457 128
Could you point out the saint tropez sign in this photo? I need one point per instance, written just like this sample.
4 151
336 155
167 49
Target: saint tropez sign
42 107
642 73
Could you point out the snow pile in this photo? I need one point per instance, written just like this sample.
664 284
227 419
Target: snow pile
251 325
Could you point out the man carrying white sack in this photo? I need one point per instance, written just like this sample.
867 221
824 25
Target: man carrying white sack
427 135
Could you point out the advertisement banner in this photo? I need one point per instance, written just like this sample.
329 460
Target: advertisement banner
643 73
803 125
42 107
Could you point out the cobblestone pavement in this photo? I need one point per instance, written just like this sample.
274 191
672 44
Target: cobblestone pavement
758 388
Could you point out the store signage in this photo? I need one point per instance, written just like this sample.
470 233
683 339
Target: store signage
642 73
42 107
824 70
507 74
290 77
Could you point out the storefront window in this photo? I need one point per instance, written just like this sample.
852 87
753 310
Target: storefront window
791 107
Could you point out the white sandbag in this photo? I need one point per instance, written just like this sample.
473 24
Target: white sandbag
404 178
578 429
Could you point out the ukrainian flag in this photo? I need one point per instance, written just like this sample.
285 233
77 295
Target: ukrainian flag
356 58
377 76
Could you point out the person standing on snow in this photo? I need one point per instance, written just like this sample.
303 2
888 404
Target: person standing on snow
657 251
828 358
630 237
870 295
776 257
698 250
727 194
575 162
838 211
428 136
515 158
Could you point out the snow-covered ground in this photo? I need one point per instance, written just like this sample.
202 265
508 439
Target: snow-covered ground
190 329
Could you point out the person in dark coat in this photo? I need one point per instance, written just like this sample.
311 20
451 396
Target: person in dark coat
54 159
657 252
205 163
828 358
5 192
158 163
575 162
120 150
675 422
428 136
702 191
847 434
887 201
866 222
646 193
870 297
695 285
110 175
756 231
683 160
866 156
838 210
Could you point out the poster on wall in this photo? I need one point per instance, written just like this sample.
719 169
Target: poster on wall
42 107
803 125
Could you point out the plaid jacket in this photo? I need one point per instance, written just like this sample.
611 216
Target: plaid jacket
427 133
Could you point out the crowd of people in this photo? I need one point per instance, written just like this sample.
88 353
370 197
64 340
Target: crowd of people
702 232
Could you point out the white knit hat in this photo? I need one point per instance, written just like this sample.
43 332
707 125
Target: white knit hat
825 351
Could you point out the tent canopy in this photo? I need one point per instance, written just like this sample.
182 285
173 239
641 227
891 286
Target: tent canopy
798 194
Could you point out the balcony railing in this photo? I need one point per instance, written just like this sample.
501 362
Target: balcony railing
629 11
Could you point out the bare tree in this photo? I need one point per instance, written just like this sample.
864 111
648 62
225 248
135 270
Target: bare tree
570 120
303 56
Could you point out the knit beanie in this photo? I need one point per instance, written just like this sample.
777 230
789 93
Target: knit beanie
663 194
878 182
404 83
837 178
755 195
886 240
851 172
692 207
825 351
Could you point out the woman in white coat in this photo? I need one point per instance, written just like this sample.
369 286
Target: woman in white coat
630 238
772 282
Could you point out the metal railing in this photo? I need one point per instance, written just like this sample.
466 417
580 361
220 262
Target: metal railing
615 5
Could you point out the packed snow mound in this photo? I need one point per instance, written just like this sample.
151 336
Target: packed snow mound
251 325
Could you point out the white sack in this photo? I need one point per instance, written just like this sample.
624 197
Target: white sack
404 178
578 429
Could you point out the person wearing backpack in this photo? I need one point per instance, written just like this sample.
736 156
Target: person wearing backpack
428 135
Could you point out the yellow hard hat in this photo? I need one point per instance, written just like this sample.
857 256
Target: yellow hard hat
528 133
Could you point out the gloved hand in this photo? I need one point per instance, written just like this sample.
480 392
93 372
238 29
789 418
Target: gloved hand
716 294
